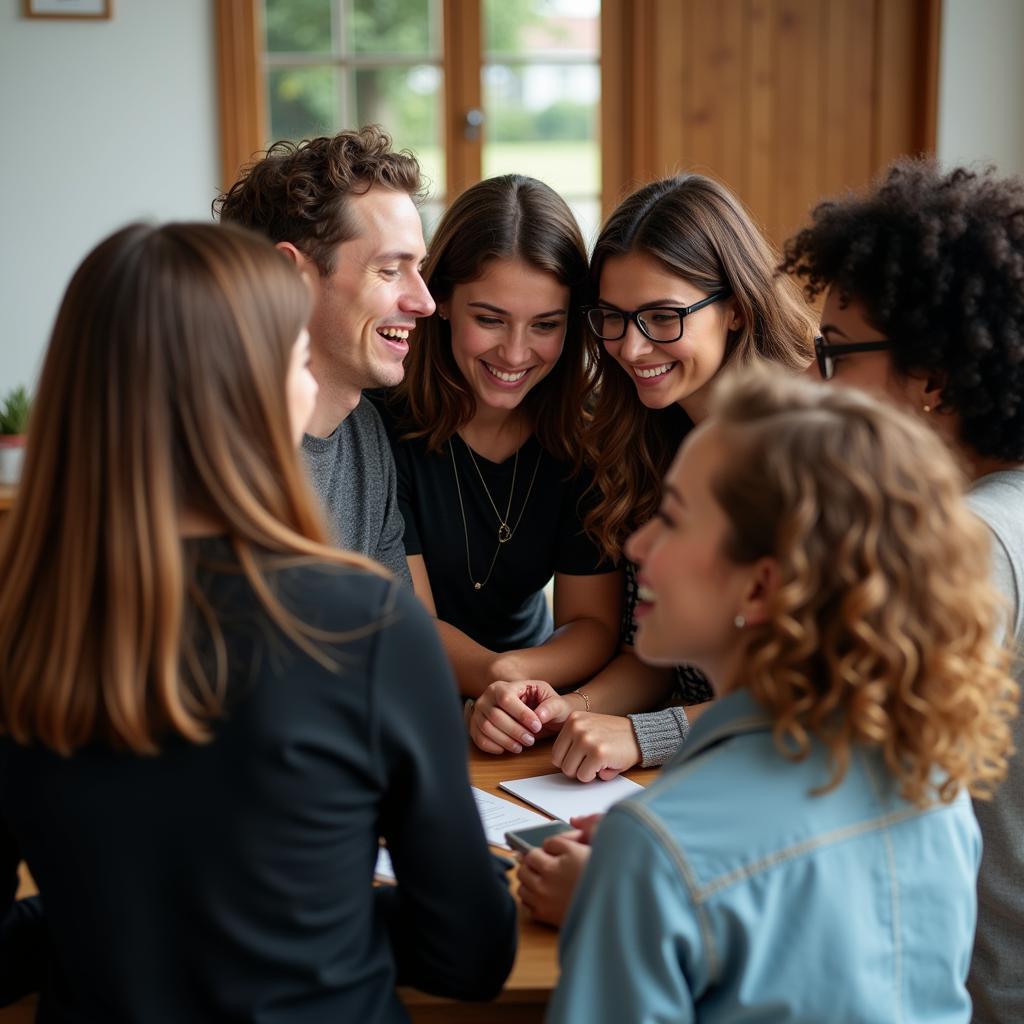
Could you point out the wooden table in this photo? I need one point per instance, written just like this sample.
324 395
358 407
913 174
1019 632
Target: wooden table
6 498
535 971
536 968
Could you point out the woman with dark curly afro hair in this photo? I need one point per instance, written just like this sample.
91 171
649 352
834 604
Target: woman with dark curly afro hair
924 302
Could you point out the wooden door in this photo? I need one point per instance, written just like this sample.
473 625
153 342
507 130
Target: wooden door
786 101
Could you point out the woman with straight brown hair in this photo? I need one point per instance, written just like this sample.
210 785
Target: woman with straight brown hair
682 284
193 761
487 429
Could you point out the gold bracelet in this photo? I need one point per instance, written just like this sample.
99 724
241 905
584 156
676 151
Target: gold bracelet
586 700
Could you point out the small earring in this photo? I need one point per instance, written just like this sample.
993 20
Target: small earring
926 407
740 621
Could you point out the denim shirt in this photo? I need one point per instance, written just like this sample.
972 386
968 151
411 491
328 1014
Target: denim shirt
727 892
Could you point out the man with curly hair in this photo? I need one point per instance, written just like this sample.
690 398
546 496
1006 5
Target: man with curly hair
924 302
344 210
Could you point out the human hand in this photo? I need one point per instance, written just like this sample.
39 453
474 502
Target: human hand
508 715
548 876
592 746
586 825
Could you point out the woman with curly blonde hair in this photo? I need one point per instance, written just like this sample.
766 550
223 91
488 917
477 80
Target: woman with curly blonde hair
810 854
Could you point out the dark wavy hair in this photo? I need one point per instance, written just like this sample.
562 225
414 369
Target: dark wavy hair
937 262
698 230
508 217
298 192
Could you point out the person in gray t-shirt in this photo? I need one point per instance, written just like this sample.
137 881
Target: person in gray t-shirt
924 283
343 210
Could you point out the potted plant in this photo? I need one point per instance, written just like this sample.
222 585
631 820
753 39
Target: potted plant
14 411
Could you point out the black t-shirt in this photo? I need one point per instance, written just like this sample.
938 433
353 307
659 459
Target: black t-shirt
545 515
231 880
691 685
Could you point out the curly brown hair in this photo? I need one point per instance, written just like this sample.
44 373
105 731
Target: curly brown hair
937 262
298 192
503 218
883 629
697 229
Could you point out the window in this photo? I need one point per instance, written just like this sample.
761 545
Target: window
541 97
330 64
344 63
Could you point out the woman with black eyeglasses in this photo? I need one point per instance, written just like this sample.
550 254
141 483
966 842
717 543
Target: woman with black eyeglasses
924 303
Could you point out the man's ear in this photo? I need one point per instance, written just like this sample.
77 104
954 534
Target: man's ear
296 256
762 587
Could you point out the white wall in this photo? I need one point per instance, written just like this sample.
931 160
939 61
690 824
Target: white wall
102 122
981 84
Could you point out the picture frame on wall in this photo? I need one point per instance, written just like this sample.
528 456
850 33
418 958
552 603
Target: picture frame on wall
75 9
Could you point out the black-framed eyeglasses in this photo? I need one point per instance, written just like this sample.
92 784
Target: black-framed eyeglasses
826 352
662 324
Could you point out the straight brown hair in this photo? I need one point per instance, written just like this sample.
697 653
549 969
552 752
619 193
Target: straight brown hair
163 389
509 217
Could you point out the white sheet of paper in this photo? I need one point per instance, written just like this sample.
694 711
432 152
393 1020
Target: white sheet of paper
499 816
383 871
566 798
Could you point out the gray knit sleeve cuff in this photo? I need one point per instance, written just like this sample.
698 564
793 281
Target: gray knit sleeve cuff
659 734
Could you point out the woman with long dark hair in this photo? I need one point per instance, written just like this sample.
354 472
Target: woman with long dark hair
195 760
488 439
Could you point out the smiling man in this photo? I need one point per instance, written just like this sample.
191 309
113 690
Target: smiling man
343 208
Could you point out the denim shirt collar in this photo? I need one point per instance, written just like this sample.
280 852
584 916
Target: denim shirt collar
732 715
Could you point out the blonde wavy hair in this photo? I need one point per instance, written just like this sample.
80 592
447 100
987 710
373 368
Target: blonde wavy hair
884 629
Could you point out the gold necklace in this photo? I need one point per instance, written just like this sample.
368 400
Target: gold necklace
505 533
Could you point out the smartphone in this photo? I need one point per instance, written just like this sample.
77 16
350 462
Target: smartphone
525 839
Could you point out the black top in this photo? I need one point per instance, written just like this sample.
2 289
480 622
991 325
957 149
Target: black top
509 611
691 686
231 881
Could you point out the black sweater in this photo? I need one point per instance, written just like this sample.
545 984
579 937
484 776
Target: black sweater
231 881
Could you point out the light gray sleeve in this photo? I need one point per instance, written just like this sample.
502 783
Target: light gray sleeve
660 734
1005 581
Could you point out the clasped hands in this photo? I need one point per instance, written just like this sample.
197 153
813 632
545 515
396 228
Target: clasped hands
509 716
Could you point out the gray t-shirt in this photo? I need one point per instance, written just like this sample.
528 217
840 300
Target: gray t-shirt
353 471
996 981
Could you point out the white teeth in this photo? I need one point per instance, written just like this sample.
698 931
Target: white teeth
652 371
645 594
508 378
396 333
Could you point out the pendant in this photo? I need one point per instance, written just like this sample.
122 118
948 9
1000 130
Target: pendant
504 533
477 586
